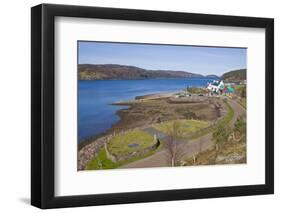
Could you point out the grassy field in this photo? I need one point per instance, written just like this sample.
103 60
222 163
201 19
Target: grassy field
197 128
149 112
120 144
187 127
223 121
102 162
129 142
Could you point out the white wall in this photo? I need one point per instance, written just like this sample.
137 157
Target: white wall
15 104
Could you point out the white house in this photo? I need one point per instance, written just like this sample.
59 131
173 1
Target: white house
216 86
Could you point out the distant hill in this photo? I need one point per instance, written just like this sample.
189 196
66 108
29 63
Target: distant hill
115 71
234 75
212 76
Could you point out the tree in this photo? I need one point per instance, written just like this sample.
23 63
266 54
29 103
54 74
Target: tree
240 128
220 135
200 145
172 145
243 92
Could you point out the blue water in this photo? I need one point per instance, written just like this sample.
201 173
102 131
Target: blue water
95 112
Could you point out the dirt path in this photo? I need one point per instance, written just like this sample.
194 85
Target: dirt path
192 147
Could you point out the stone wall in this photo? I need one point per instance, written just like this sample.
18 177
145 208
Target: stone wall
89 151
139 153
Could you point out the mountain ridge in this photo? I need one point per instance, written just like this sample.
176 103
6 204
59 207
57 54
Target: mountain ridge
235 75
118 72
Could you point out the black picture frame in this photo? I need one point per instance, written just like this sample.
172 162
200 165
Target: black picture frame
43 105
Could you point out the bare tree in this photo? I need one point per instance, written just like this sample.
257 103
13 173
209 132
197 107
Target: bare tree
200 145
218 109
172 145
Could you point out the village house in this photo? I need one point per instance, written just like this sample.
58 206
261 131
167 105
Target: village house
216 86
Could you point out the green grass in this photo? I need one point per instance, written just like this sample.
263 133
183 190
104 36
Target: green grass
186 128
119 144
197 128
102 162
223 121
230 113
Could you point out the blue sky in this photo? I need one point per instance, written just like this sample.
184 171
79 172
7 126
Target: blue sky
196 59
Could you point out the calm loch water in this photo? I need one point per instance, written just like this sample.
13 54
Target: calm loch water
95 112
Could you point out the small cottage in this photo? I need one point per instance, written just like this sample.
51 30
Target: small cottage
216 86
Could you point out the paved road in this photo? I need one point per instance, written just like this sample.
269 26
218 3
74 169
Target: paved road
192 147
